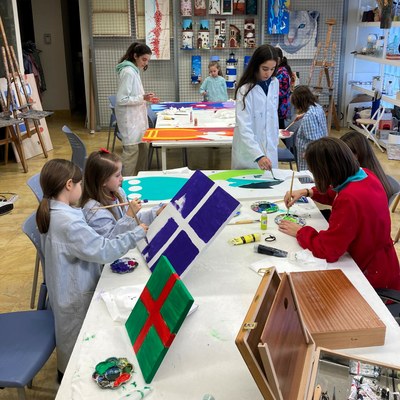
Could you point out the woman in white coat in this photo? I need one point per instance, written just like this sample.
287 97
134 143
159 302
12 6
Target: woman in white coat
74 252
256 135
131 108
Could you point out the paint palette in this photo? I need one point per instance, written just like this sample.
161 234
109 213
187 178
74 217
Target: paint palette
260 206
113 372
291 217
123 265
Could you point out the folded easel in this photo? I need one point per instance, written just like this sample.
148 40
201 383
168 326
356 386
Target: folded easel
17 105
326 67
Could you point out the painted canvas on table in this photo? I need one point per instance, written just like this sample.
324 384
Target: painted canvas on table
278 16
157 316
189 223
301 40
157 28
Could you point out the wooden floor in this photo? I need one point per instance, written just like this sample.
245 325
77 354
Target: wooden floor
18 254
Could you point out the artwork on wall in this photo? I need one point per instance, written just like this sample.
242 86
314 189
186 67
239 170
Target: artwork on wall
231 71
203 35
251 7
239 7
187 34
200 8
111 18
234 36
220 33
227 7
278 16
157 316
196 70
249 33
189 223
214 7
186 8
157 28
301 40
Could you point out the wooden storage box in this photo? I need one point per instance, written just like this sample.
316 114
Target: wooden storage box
279 350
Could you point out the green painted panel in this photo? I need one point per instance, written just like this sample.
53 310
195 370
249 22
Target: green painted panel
136 320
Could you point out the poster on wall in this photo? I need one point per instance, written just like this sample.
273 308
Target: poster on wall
278 17
301 40
30 145
200 8
157 28
214 7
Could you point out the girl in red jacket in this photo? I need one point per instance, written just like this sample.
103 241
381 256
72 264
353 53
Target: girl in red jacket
360 220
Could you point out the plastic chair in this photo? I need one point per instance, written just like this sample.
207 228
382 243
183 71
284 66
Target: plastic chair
30 229
27 338
370 125
112 124
34 183
152 118
285 155
395 185
78 148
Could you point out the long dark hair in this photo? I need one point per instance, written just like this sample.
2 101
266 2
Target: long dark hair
331 162
284 62
262 54
302 98
53 178
139 49
361 148
99 166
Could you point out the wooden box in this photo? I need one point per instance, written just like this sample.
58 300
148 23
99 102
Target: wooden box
279 350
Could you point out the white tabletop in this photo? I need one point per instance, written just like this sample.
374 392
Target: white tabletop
203 357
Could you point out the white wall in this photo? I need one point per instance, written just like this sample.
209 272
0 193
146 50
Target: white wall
48 20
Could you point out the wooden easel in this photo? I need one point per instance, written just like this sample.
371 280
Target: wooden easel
326 67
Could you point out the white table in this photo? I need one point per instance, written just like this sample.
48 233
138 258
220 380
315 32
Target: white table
204 358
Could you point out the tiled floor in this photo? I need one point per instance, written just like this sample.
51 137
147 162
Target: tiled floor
18 254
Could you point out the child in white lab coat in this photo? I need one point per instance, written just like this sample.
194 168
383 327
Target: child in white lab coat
214 86
256 135
74 252
102 187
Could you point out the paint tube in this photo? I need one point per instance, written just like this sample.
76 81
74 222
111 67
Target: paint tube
253 237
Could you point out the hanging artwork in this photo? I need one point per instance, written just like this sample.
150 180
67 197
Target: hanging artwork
231 71
220 33
186 8
278 16
187 34
214 7
200 8
249 33
196 70
246 62
251 7
189 223
227 7
203 36
301 40
157 316
234 36
239 7
157 28
111 18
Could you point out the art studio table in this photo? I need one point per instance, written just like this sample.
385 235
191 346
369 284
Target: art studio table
203 357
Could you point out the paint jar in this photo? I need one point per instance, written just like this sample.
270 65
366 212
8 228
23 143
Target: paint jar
253 237
264 221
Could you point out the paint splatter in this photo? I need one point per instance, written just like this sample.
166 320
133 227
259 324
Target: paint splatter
89 337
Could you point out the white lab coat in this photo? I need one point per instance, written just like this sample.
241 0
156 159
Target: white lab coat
130 107
105 224
257 127
74 258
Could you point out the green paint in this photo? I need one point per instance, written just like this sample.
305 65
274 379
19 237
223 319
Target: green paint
225 175
216 335
87 338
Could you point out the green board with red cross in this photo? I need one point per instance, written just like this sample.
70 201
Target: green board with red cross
157 317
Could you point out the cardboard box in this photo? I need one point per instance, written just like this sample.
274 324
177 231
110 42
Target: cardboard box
280 351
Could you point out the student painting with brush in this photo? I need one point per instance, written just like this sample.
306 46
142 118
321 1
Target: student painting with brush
102 187
359 223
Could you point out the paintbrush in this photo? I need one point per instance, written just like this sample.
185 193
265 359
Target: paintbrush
244 221
116 205
137 219
290 192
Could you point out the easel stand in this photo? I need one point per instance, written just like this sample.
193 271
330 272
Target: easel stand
21 110
326 66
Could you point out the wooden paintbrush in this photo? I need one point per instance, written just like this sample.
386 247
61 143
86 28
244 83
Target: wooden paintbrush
290 192
116 205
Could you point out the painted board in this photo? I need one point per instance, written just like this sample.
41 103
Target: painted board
186 8
249 33
203 35
278 17
200 8
227 7
239 7
196 105
196 70
220 33
214 7
187 34
251 7
189 223
152 135
157 28
157 316
30 145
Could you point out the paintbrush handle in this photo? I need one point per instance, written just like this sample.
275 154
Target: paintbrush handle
111 206
244 221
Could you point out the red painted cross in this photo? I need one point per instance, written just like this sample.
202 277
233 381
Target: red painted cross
155 319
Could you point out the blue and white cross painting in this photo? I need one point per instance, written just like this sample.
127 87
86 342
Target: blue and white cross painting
189 223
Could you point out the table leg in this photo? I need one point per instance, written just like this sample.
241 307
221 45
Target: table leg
163 158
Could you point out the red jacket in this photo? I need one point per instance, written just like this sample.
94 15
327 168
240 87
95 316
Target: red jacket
359 224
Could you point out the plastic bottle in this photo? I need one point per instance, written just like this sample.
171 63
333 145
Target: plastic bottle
389 88
264 220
